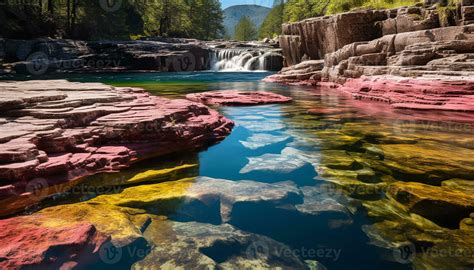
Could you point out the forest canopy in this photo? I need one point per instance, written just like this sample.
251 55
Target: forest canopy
297 10
112 19
245 30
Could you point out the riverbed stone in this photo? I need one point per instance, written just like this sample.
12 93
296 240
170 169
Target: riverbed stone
237 98
197 245
443 206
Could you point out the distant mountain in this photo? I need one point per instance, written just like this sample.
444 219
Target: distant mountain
232 16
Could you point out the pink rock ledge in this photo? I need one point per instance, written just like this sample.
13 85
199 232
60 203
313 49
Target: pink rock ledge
237 98
54 133
421 93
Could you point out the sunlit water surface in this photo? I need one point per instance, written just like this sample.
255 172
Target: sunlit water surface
325 156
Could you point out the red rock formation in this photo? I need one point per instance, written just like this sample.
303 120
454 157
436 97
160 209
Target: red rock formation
26 243
236 98
56 132
445 93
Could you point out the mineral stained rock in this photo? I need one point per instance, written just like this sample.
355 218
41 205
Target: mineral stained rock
423 93
56 132
26 244
236 98
150 218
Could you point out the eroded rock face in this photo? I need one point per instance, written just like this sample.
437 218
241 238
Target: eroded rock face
313 38
236 98
304 73
56 136
442 51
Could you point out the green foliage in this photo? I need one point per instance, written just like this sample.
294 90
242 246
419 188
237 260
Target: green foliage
297 10
447 13
86 19
271 26
338 6
245 30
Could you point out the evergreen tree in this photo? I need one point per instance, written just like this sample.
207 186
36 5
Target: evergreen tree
245 30
271 26
103 19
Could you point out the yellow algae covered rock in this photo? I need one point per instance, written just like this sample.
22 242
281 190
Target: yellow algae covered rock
443 206
158 175
428 162
459 185
124 225
467 223
338 159
203 195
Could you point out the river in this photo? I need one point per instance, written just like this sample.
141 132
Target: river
312 178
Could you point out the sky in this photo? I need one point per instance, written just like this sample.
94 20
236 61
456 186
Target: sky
228 3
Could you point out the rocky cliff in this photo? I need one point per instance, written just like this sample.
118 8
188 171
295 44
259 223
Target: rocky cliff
421 41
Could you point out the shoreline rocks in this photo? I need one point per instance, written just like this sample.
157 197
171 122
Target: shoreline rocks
406 57
237 98
71 130
40 56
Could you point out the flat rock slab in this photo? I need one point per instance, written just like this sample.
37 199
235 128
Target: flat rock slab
238 98
57 132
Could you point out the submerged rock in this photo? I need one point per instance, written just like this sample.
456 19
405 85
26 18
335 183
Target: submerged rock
237 98
257 141
203 246
440 205
73 130
201 198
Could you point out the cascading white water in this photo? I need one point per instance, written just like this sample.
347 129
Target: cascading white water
238 59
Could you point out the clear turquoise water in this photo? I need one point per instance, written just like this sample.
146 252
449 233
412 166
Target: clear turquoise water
289 127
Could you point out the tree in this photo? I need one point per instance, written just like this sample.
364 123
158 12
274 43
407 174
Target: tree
297 10
245 30
89 20
207 19
271 26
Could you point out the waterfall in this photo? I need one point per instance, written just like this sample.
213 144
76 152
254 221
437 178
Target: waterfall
238 59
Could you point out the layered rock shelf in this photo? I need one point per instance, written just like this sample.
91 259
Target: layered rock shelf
424 93
411 57
57 132
237 98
